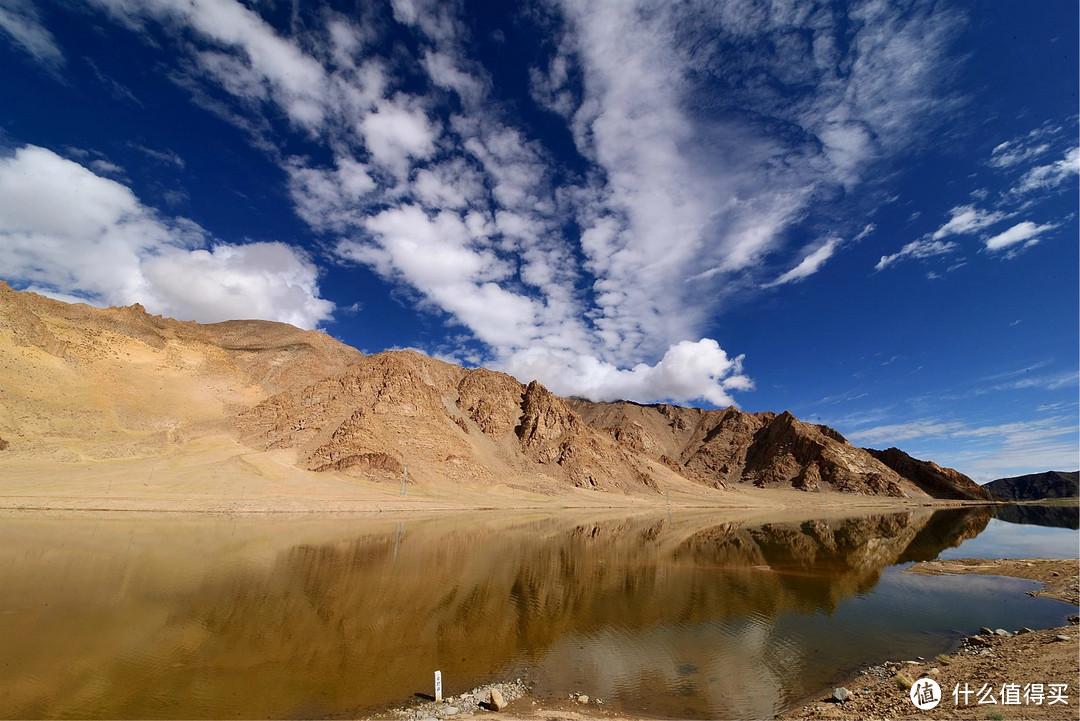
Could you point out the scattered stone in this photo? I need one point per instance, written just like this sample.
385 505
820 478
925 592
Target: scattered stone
985 631
451 710
1062 637
841 694
912 663
1024 630
976 641
583 699
1074 619
497 702
1001 632
920 658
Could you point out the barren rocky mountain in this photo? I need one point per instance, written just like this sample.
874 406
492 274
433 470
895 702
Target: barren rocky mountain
932 478
1036 486
82 384
472 426
729 447
79 383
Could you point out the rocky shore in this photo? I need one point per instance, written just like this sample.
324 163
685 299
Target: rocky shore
995 674
1028 674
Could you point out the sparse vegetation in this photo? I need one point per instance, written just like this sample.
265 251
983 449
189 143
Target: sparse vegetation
944 659
903 681
995 716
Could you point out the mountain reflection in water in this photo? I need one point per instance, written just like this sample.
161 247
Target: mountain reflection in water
665 614
1056 516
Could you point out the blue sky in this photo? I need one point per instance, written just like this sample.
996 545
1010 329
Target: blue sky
864 213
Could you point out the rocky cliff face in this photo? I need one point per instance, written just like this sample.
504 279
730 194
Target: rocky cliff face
937 481
727 447
475 426
82 383
1035 486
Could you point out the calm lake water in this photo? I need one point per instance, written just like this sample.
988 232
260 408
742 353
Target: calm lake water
688 615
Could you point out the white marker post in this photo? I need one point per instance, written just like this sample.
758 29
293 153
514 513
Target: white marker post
438 687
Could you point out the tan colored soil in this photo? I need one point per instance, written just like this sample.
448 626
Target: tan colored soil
216 473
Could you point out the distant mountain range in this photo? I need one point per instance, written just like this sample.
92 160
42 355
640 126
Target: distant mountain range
82 384
1036 486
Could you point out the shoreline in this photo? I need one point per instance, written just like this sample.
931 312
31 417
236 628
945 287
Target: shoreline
1049 654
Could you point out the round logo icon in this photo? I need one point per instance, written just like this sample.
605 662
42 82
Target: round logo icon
925 694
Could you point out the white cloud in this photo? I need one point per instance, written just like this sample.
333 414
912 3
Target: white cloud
1006 155
70 233
330 199
924 248
1048 177
267 64
984 452
1023 150
1026 232
166 157
396 133
610 262
1009 158
967 219
438 256
453 184
810 264
20 21
688 371
891 434
269 281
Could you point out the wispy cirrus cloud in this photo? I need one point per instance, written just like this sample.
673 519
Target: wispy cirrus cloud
20 21
920 249
1029 181
1025 149
1045 438
968 219
598 273
1051 175
988 451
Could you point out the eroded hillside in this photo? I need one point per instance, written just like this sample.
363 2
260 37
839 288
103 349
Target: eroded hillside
82 384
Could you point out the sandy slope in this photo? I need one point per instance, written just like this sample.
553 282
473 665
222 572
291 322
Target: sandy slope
217 474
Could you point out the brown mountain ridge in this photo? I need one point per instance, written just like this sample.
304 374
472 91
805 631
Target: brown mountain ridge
80 385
